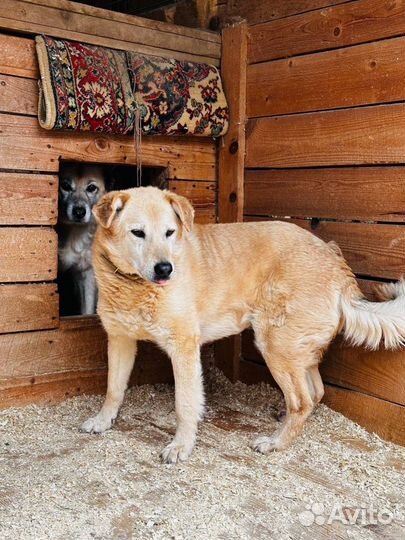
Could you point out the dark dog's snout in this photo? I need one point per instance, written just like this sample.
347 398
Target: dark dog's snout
163 270
79 212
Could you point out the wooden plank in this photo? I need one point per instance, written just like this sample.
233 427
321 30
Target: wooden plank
376 415
258 11
28 199
231 163
374 250
59 22
141 22
370 249
28 307
18 95
205 215
337 26
17 57
25 146
54 388
378 373
199 193
361 75
232 147
32 354
362 136
28 254
341 193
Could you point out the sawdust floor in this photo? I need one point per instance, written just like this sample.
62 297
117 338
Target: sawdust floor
61 484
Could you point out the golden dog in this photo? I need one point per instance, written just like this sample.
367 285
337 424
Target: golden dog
162 279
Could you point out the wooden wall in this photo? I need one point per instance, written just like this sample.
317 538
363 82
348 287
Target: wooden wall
325 146
41 357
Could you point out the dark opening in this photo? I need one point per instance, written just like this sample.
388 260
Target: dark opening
80 187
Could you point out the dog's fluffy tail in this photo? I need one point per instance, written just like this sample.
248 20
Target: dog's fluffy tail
371 323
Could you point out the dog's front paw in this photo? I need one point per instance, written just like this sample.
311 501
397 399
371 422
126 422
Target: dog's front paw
176 452
97 424
264 445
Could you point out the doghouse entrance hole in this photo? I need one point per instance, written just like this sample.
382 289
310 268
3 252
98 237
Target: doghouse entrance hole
116 177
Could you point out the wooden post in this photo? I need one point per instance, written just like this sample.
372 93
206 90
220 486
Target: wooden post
231 163
232 145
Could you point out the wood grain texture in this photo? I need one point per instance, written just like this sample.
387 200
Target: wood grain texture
258 11
205 214
28 307
34 18
232 146
376 415
373 250
362 136
28 254
25 146
337 26
28 199
18 95
346 193
136 22
32 354
200 193
17 57
360 75
53 388
377 373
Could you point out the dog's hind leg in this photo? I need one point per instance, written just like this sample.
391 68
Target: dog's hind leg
291 368
121 358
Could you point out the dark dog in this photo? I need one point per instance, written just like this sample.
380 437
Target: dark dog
80 188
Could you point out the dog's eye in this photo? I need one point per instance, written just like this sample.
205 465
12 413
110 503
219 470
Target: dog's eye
169 232
66 186
92 188
139 233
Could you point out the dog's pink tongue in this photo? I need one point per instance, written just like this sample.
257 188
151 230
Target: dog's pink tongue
162 282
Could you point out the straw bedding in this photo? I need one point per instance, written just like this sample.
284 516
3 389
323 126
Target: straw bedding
61 484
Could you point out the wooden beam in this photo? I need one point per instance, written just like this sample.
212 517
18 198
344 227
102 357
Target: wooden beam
232 145
18 95
258 11
28 254
231 163
25 146
361 136
28 307
371 249
346 193
378 373
17 57
361 75
337 26
60 20
201 194
28 199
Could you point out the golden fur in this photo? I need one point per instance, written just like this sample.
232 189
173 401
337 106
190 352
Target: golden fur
293 289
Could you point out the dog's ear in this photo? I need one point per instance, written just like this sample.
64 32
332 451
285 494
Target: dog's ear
183 209
108 206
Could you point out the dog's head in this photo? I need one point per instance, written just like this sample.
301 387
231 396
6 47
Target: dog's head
142 231
80 188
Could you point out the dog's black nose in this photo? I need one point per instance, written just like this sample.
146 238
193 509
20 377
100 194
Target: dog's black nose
163 270
79 212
